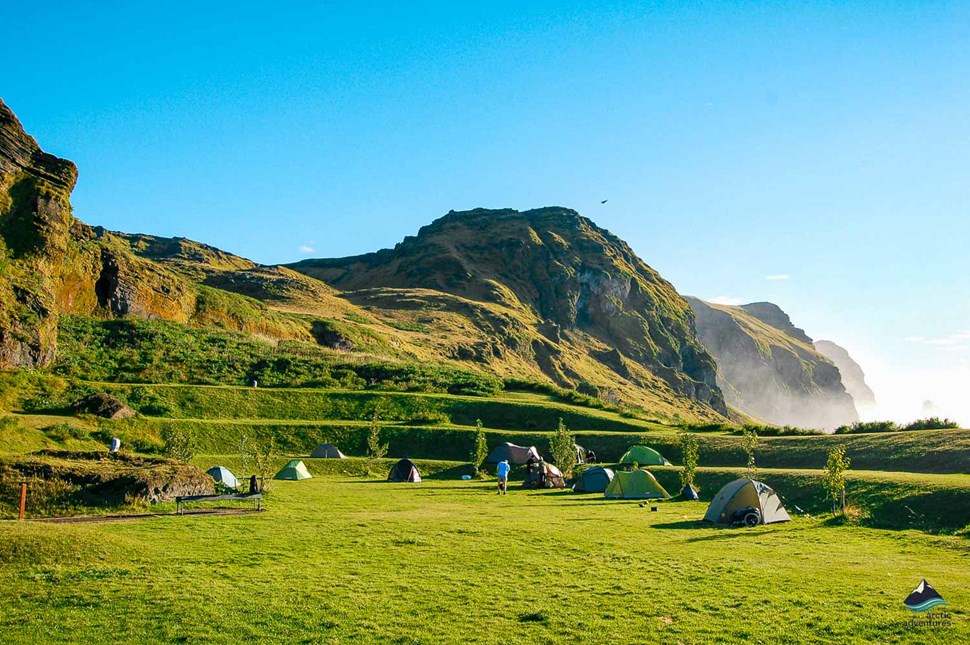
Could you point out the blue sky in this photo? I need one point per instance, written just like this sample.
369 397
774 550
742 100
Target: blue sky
825 142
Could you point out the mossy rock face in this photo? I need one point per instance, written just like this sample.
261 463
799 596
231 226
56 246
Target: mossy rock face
770 369
63 482
105 406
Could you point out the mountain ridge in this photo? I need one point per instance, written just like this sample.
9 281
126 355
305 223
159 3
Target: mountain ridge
559 301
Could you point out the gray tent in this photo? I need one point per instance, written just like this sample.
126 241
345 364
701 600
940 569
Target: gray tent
327 451
516 455
594 480
731 503
224 476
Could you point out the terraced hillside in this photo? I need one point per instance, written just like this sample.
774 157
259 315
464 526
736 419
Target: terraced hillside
557 301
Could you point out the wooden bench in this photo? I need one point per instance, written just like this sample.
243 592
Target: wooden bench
179 501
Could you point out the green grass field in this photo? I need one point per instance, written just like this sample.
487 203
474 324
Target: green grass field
341 558
344 557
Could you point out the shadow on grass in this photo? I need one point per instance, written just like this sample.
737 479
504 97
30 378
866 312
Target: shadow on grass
683 524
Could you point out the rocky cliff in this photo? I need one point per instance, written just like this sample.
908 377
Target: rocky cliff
542 296
769 368
51 263
570 290
852 375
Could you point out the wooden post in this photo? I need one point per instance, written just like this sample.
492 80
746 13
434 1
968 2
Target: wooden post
23 498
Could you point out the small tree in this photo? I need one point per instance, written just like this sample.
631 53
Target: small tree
563 449
178 443
244 454
688 448
375 449
834 478
263 455
480 449
749 441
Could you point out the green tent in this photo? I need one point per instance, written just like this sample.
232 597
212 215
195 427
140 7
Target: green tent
294 470
644 456
634 484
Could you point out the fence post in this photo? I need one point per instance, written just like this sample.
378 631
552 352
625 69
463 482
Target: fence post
23 498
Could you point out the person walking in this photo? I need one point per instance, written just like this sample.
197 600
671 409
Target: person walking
503 475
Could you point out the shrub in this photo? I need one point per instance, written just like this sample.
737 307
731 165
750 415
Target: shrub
834 479
932 423
689 457
749 441
177 443
63 431
862 427
480 449
562 447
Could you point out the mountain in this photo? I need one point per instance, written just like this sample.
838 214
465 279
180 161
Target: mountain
571 297
852 375
543 297
768 368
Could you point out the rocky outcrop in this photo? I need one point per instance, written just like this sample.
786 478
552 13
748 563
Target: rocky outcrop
75 479
51 263
852 375
579 282
769 369
103 405
35 216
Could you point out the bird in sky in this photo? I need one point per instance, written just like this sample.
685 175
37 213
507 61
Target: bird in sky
604 201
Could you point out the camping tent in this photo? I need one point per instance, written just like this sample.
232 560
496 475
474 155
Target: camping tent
580 454
544 475
327 451
644 456
223 476
634 484
515 454
594 480
404 471
742 494
294 470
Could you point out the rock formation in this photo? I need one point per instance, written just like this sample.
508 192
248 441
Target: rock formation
853 378
578 286
769 368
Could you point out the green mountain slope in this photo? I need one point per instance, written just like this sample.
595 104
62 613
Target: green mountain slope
540 297
571 298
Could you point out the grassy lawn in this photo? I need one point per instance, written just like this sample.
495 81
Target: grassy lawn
340 558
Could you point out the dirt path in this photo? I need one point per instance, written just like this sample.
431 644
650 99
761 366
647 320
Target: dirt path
141 516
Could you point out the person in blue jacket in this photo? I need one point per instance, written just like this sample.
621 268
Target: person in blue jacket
503 475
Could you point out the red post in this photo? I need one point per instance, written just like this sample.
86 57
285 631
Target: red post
23 498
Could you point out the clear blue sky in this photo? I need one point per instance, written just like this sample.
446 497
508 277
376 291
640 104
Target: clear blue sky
826 142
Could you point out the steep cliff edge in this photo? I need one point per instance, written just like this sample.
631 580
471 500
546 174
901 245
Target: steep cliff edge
852 375
769 368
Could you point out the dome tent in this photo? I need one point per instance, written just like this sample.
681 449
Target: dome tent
635 484
404 471
516 455
294 470
743 494
224 476
644 456
544 475
594 480
327 451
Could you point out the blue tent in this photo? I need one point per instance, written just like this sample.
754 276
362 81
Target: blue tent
223 476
